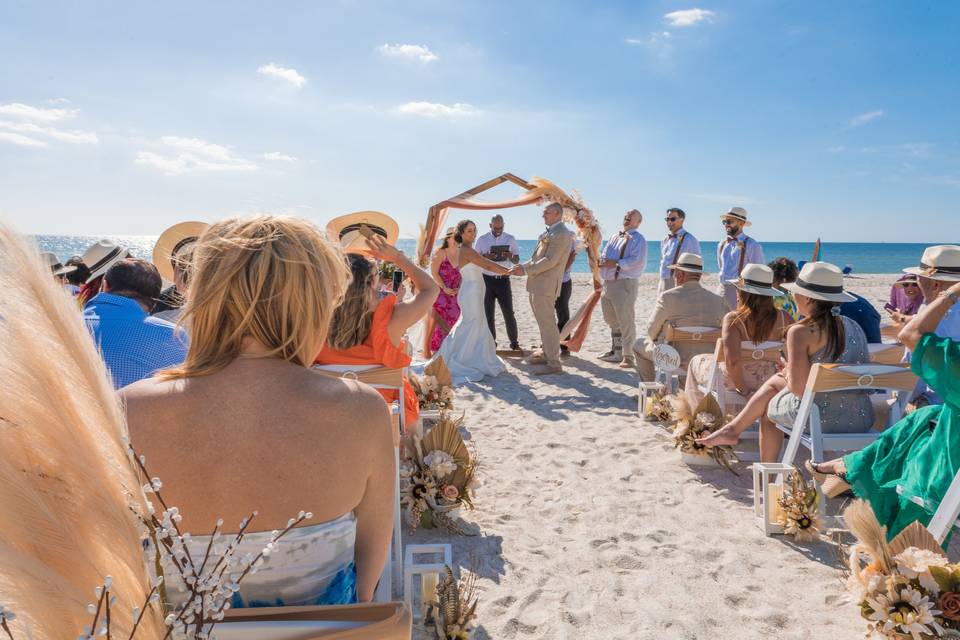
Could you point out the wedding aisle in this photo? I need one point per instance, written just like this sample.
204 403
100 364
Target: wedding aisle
590 527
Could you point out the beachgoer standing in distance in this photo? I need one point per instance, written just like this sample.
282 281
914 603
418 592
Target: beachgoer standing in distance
736 251
622 262
498 289
678 241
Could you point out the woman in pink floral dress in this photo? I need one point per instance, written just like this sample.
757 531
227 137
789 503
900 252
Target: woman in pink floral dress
446 310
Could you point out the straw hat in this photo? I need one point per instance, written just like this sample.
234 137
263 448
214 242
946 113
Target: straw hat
347 229
821 281
756 278
689 262
941 262
102 255
737 213
55 265
173 241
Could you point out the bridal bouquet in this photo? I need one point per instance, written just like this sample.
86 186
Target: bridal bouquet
798 514
702 421
450 616
907 588
438 479
434 388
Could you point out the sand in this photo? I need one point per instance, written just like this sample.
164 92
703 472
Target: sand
591 527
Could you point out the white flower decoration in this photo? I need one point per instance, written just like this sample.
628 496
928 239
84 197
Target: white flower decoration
915 563
440 463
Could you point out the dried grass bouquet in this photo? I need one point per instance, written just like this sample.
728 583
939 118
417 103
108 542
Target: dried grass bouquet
451 615
658 408
689 425
799 514
434 388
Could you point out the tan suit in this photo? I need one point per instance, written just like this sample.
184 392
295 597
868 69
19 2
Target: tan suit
689 305
544 273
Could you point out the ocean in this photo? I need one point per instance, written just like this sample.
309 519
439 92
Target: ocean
862 257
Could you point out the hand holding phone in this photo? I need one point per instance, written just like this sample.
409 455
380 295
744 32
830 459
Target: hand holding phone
397 279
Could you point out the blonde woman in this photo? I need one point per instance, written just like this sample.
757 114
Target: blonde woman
246 420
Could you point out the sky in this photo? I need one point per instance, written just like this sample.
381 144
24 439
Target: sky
830 119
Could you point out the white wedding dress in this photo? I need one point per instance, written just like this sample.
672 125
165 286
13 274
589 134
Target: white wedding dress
469 350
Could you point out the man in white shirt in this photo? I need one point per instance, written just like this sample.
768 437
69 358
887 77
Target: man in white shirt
622 262
501 247
735 252
678 241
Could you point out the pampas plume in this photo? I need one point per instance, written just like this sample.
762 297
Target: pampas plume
66 485
863 524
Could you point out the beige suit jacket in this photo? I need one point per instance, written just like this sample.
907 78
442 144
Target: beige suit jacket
689 305
545 268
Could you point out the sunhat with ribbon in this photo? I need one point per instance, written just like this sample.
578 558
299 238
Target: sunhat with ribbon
737 213
102 255
821 281
690 262
349 230
52 261
941 262
171 242
756 278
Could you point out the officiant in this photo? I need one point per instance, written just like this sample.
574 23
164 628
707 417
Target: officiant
501 247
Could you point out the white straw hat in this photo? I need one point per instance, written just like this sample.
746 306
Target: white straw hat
690 262
821 281
347 230
102 255
737 213
941 262
52 261
171 242
756 278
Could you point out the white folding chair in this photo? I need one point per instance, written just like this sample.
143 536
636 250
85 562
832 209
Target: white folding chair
669 381
947 512
391 379
887 353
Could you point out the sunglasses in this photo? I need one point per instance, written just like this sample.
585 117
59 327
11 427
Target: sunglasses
909 284
727 222
674 219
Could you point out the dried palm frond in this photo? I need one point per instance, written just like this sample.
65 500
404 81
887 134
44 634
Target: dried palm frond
445 436
915 535
66 485
438 369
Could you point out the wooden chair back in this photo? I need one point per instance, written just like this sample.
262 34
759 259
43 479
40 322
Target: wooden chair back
839 377
887 353
697 335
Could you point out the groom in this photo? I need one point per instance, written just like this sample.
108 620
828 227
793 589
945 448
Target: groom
544 278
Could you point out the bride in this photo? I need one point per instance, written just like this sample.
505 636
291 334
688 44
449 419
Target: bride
469 350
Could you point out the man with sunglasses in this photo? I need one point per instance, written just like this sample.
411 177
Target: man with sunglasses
678 241
735 252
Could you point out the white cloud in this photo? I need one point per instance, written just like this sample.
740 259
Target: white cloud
288 75
688 17
59 101
194 154
864 118
73 137
410 51
21 140
278 157
436 110
37 114
655 38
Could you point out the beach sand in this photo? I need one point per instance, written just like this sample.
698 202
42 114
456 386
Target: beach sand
591 527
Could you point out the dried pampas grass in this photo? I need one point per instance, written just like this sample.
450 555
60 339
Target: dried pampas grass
66 485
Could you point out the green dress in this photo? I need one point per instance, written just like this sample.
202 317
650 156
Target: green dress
921 453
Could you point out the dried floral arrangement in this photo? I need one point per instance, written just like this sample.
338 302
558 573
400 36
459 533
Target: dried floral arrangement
658 407
439 477
450 616
799 515
688 425
434 388
907 588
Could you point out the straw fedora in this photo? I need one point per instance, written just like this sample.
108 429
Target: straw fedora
102 255
821 281
689 262
941 262
756 278
346 228
737 213
173 241
52 261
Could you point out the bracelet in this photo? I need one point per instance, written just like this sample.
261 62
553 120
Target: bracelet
949 295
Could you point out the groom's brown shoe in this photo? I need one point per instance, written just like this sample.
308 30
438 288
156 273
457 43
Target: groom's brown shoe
547 369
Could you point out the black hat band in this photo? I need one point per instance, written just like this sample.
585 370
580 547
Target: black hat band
819 288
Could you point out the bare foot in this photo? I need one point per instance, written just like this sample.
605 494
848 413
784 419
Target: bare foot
720 437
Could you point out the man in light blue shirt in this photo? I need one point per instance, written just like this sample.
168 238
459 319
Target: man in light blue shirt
133 344
678 241
622 262
735 252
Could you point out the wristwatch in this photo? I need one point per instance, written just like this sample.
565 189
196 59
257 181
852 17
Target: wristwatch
949 295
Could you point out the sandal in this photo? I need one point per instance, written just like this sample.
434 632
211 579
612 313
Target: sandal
831 484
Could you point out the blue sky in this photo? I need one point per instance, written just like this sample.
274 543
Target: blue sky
832 119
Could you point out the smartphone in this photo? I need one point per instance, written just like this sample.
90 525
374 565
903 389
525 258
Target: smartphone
397 279
889 307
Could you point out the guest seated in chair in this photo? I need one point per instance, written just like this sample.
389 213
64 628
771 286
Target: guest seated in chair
756 320
245 425
921 453
368 328
822 336
688 304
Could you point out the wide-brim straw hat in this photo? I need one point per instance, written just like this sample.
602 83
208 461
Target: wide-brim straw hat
941 262
757 279
102 255
171 242
737 213
821 281
56 267
346 230
689 262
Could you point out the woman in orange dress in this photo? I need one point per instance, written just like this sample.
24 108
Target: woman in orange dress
368 327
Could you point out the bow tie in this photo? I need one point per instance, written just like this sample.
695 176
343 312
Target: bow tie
673 235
